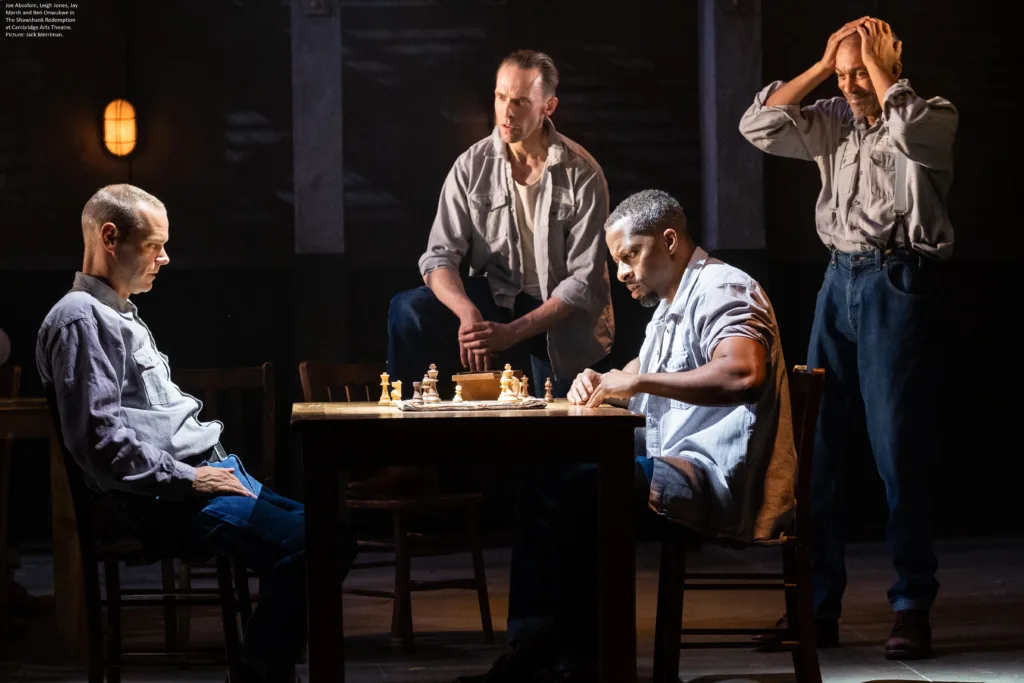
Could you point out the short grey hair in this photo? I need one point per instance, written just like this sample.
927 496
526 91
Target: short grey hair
531 59
118 204
651 211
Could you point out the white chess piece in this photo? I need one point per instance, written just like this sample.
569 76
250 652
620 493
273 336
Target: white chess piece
458 394
416 395
507 392
547 391
385 400
429 384
524 388
396 391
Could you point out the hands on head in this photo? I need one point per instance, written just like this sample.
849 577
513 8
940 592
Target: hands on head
877 43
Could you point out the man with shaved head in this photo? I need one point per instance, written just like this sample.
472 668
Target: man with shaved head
138 438
716 456
886 161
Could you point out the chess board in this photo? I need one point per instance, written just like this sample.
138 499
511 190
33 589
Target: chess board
521 404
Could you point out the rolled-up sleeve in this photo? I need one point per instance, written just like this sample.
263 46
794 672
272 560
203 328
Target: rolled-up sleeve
734 310
586 288
924 130
790 130
452 230
87 373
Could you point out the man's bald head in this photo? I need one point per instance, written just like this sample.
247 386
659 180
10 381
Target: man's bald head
125 206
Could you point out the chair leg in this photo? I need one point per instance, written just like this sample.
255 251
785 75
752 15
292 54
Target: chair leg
401 615
476 548
170 606
93 614
669 615
796 569
112 577
229 617
242 588
184 612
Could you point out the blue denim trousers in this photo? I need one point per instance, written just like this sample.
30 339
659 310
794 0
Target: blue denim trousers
422 330
266 534
876 335
553 589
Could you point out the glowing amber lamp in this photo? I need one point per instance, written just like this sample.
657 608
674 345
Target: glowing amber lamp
119 127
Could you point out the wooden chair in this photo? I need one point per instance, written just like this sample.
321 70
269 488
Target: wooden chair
323 382
226 394
673 579
105 663
10 383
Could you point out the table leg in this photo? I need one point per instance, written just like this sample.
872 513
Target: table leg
323 564
617 563
69 596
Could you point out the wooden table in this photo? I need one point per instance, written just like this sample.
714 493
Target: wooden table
334 437
29 418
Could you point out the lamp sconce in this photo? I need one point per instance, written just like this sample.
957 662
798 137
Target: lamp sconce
119 129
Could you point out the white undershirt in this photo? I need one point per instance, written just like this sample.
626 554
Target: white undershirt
526 208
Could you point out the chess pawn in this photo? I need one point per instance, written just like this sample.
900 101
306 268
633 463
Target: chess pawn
396 391
384 399
416 395
458 394
524 387
548 396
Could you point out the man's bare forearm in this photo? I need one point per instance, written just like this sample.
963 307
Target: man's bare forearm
446 284
633 366
800 87
541 319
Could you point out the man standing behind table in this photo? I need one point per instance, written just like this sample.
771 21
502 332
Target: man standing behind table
525 207
886 161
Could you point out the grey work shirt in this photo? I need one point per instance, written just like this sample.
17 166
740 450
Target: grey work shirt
858 164
127 425
476 219
727 471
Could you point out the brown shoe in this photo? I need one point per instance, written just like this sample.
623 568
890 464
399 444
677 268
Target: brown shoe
911 636
396 482
826 634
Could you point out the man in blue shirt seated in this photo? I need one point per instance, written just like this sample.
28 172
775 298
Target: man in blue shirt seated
138 439
716 455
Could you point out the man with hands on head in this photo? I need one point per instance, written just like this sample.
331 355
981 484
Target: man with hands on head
886 160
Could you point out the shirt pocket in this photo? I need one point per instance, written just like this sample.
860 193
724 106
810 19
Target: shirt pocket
562 205
678 361
489 211
881 173
155 380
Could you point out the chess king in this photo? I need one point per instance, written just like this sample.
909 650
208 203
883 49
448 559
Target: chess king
525 207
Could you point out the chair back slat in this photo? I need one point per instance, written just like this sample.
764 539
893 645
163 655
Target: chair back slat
10 381
336 382
805 388
234 396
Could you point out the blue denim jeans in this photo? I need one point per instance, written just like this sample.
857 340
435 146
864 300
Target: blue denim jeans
553 591
875 334
422 330
266 534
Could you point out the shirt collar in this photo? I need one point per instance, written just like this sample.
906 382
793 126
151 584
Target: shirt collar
556 150
99 288
689 278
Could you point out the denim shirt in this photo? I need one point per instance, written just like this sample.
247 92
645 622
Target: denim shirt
476 220
725 471
126 424
855 208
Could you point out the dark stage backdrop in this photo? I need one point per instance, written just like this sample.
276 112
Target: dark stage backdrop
212 84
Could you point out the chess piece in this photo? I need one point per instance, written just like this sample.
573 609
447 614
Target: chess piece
507 392
548 396
429 383
416 395
396 391
524 388
384 399
458 394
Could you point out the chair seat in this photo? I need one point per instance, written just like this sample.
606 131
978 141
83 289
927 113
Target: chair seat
131 550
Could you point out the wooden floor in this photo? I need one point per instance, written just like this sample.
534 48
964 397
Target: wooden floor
978 621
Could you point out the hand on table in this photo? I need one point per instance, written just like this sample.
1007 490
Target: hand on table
592 388
219 481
